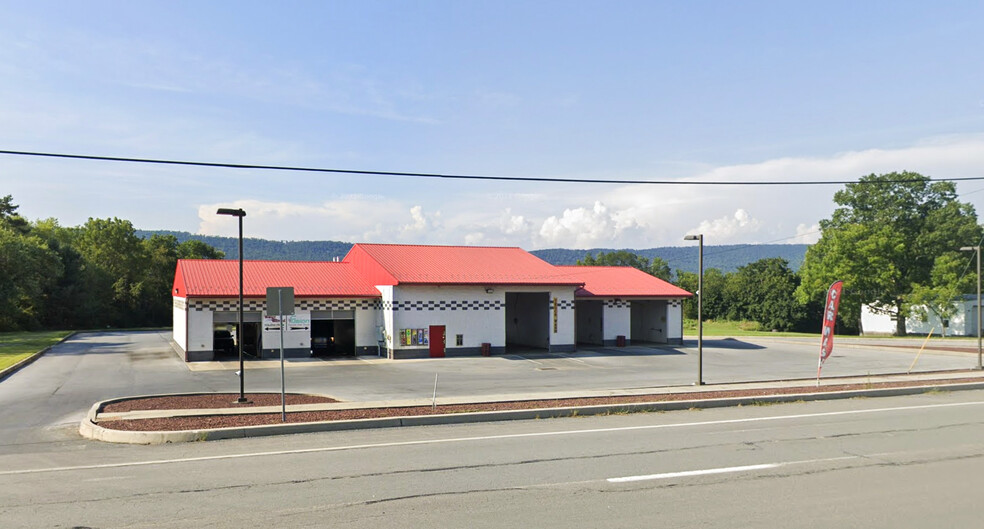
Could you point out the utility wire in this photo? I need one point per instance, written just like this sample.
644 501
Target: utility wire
743 246
475 177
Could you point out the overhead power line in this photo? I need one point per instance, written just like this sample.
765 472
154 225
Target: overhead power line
474 177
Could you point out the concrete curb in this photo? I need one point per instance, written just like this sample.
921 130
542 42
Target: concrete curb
30 360
91 430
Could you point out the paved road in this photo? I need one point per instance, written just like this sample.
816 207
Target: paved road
889 462
45 402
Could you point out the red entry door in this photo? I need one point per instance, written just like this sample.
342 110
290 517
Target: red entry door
437 342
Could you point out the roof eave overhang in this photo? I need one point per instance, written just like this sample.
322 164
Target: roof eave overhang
634 296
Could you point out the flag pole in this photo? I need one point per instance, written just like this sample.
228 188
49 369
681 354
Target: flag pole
831 302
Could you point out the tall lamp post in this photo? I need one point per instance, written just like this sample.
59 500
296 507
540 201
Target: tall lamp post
239 333
700 305
978 250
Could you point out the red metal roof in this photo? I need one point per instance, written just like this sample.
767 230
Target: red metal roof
368 265
220 278
391 264
622 282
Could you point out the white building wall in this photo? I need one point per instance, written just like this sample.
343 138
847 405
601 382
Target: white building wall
562 321
674 321
384 317
960 324
199 334
470 311
618 320
179 316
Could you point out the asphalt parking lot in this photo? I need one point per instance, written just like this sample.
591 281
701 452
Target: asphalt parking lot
46 400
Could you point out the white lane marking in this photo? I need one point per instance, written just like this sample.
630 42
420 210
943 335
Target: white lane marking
687 473
486 438
722 470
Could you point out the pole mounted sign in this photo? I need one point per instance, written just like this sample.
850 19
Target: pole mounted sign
829 319
280 301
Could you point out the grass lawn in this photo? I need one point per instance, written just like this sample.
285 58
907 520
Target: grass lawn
751 328
734 328
16 346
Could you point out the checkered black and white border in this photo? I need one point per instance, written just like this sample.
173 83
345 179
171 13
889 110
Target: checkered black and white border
253 305
337 304
443 305
617 304
224 305
562 304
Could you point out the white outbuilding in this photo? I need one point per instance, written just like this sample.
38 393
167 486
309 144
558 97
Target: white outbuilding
962 323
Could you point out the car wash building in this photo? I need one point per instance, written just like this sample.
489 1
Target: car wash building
409 301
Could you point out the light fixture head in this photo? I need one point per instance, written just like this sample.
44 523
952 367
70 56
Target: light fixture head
229 211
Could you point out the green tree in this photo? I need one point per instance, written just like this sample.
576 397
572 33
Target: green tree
9 217
66 295
114 261
27 269
948 282
764 291
715 303
658 267
195 249
883 239
163 252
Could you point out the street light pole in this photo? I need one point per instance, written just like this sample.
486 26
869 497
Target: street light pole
700 305
240 213
977 249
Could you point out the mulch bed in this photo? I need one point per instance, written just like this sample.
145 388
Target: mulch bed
211 401
226 421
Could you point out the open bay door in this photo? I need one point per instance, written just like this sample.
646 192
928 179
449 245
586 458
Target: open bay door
333 333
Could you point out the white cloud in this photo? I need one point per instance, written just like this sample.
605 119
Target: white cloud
725 228
806 234
352 219
638 216
474 239
511 224
419 224
584 228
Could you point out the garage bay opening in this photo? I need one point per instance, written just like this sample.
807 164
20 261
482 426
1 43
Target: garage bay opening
333 333
528 320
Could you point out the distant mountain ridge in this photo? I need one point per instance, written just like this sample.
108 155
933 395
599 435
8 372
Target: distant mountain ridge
262 249
726 258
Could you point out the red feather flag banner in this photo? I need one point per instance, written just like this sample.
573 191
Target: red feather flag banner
829 319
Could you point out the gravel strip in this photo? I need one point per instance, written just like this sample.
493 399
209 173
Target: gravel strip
226 421
210 401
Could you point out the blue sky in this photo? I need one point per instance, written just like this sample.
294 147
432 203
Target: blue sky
612 90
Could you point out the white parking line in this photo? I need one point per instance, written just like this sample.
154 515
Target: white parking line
524 358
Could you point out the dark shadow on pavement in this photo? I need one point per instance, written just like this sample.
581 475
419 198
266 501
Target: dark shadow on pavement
724 343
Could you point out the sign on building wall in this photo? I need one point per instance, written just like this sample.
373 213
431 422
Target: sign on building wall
414 336
296 329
